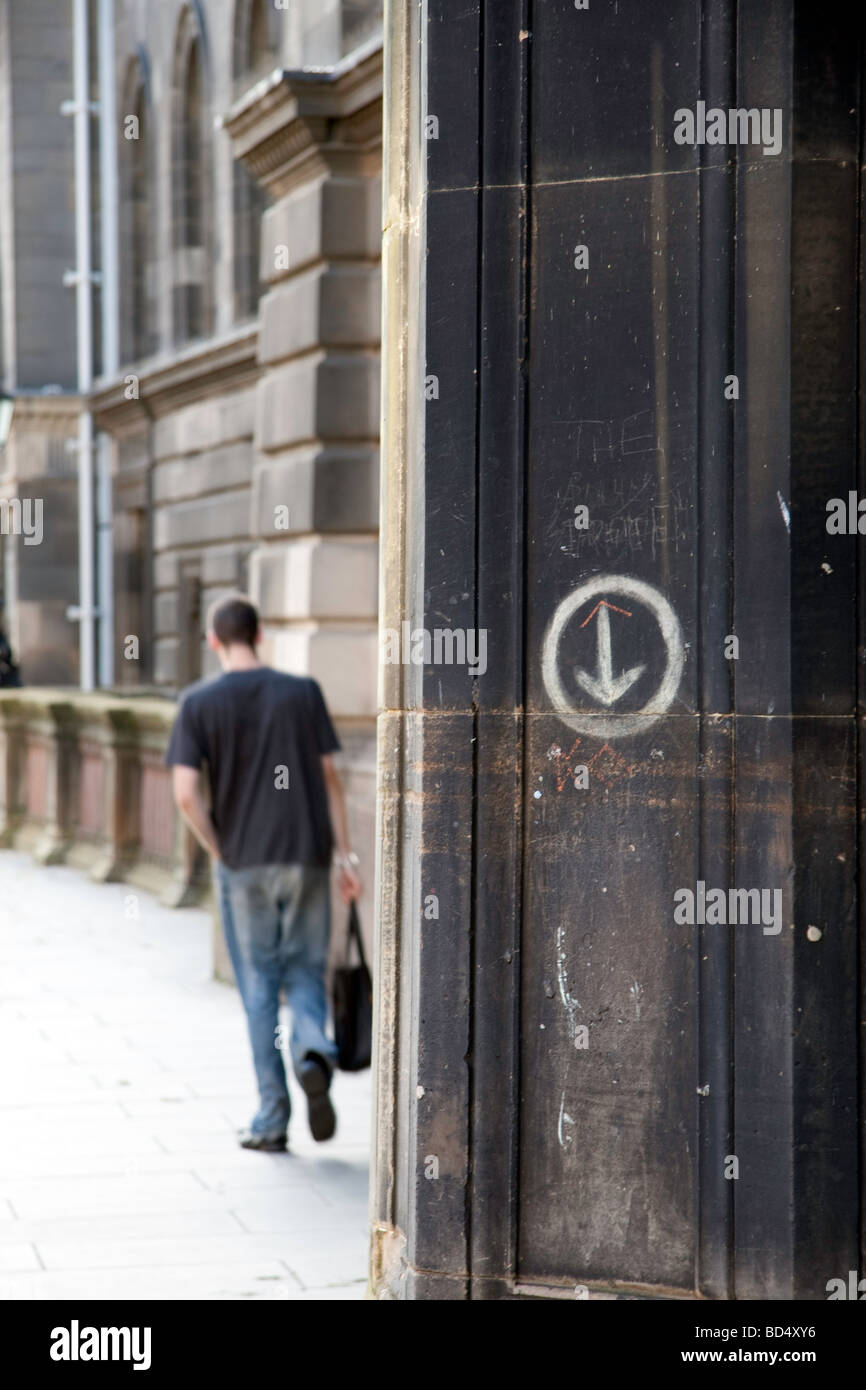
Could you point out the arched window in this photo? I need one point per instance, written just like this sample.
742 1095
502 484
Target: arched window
253 55
254 43
192 182
260 40
137 339
191 304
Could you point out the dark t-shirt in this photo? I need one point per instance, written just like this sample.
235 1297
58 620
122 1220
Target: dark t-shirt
262 735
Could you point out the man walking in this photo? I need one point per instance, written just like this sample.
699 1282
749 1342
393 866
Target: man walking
266 739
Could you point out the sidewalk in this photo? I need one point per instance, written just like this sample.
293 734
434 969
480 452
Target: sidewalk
124 1074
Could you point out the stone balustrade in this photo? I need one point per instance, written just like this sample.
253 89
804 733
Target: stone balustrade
83 782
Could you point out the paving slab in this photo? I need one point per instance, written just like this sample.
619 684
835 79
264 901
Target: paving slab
126 1077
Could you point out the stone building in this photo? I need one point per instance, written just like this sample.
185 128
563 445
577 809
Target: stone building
241 428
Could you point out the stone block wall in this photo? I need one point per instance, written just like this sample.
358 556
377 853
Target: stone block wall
246 457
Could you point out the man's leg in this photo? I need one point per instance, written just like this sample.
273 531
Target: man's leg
254 922
306 931
221 893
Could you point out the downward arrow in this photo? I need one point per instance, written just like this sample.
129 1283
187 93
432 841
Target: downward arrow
602 687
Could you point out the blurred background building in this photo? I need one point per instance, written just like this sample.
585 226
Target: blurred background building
232 211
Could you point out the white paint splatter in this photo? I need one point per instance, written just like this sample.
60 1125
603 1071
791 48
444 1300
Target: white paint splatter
564 1119
565 994
783 508
635 992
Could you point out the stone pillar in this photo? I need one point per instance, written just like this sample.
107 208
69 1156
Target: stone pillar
313 141
55 735
12 725
115 731
587 1084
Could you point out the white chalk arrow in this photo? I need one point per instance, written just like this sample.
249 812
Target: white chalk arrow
602 686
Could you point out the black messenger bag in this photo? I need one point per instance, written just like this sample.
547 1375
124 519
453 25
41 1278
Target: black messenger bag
353 1004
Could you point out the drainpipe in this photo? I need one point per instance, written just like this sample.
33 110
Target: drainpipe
105 560
82 278
110 332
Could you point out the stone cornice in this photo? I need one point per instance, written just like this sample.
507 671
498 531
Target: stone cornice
113 708
46 412
178 378
291 124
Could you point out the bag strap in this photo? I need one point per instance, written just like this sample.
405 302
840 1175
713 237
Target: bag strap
355 931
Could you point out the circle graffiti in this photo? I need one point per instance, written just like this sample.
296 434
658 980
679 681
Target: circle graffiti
603 687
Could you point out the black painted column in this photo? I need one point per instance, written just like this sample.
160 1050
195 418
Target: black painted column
621 386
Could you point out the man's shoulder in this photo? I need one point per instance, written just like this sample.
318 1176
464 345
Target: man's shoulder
199 691
291 684
218 686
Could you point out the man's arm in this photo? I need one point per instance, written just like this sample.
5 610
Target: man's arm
190 803
348 882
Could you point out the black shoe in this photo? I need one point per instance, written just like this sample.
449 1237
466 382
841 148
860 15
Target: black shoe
264 1143
315 1078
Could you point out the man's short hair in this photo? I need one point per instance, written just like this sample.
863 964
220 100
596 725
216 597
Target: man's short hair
234 619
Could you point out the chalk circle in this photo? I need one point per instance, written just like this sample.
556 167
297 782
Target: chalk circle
622 725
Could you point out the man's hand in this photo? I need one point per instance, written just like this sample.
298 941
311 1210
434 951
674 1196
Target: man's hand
348 883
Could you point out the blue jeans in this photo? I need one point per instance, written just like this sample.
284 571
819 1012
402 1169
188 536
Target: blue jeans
277 924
